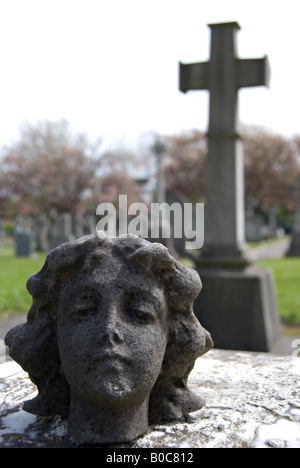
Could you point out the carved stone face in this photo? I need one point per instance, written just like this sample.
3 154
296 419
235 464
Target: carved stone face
111 334
111 338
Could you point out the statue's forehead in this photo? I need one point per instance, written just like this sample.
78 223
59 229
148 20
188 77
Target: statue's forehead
107 272
106 259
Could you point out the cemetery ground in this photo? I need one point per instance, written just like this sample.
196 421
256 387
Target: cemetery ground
15 300
14 272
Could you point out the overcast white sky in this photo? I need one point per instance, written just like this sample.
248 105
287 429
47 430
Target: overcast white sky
110 67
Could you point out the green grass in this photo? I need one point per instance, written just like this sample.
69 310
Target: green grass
14 272
286 272
252 245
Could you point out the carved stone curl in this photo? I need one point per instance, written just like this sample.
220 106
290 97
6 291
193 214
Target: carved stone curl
111 337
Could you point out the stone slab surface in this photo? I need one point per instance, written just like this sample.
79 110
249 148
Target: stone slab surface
253 401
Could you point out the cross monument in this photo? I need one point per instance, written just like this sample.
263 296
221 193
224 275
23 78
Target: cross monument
223 75
237 303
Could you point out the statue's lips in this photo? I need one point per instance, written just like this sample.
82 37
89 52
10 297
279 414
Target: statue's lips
113 356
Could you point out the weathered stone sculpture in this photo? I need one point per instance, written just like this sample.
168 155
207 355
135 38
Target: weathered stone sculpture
111 337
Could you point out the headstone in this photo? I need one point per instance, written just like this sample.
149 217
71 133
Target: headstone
62 231
24 237
42 232
88 224
272 222
254 225
294 248
111 338
235 299
53 215
77 226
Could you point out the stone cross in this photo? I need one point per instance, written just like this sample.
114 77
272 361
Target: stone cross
223 75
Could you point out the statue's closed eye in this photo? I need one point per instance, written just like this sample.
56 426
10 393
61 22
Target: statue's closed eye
142 315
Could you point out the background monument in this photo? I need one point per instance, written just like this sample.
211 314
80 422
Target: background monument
294 249
24 237
238 303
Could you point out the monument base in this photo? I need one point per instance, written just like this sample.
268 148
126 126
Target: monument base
294 249
239 308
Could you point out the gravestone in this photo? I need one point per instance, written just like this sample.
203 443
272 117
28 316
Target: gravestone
294 249
24 237
77 226
52 217
254 225
272 222
88 224
62 230
238 303
42 232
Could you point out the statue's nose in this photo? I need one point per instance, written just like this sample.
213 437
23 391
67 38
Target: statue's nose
111 326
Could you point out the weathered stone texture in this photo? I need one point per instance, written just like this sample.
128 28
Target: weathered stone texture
111 337
252 400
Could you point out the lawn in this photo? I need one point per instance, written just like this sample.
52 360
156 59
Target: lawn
14 272
286 272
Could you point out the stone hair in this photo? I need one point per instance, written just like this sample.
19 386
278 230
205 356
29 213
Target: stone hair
34 344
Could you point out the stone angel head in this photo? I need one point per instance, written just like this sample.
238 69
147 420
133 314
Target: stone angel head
111 337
